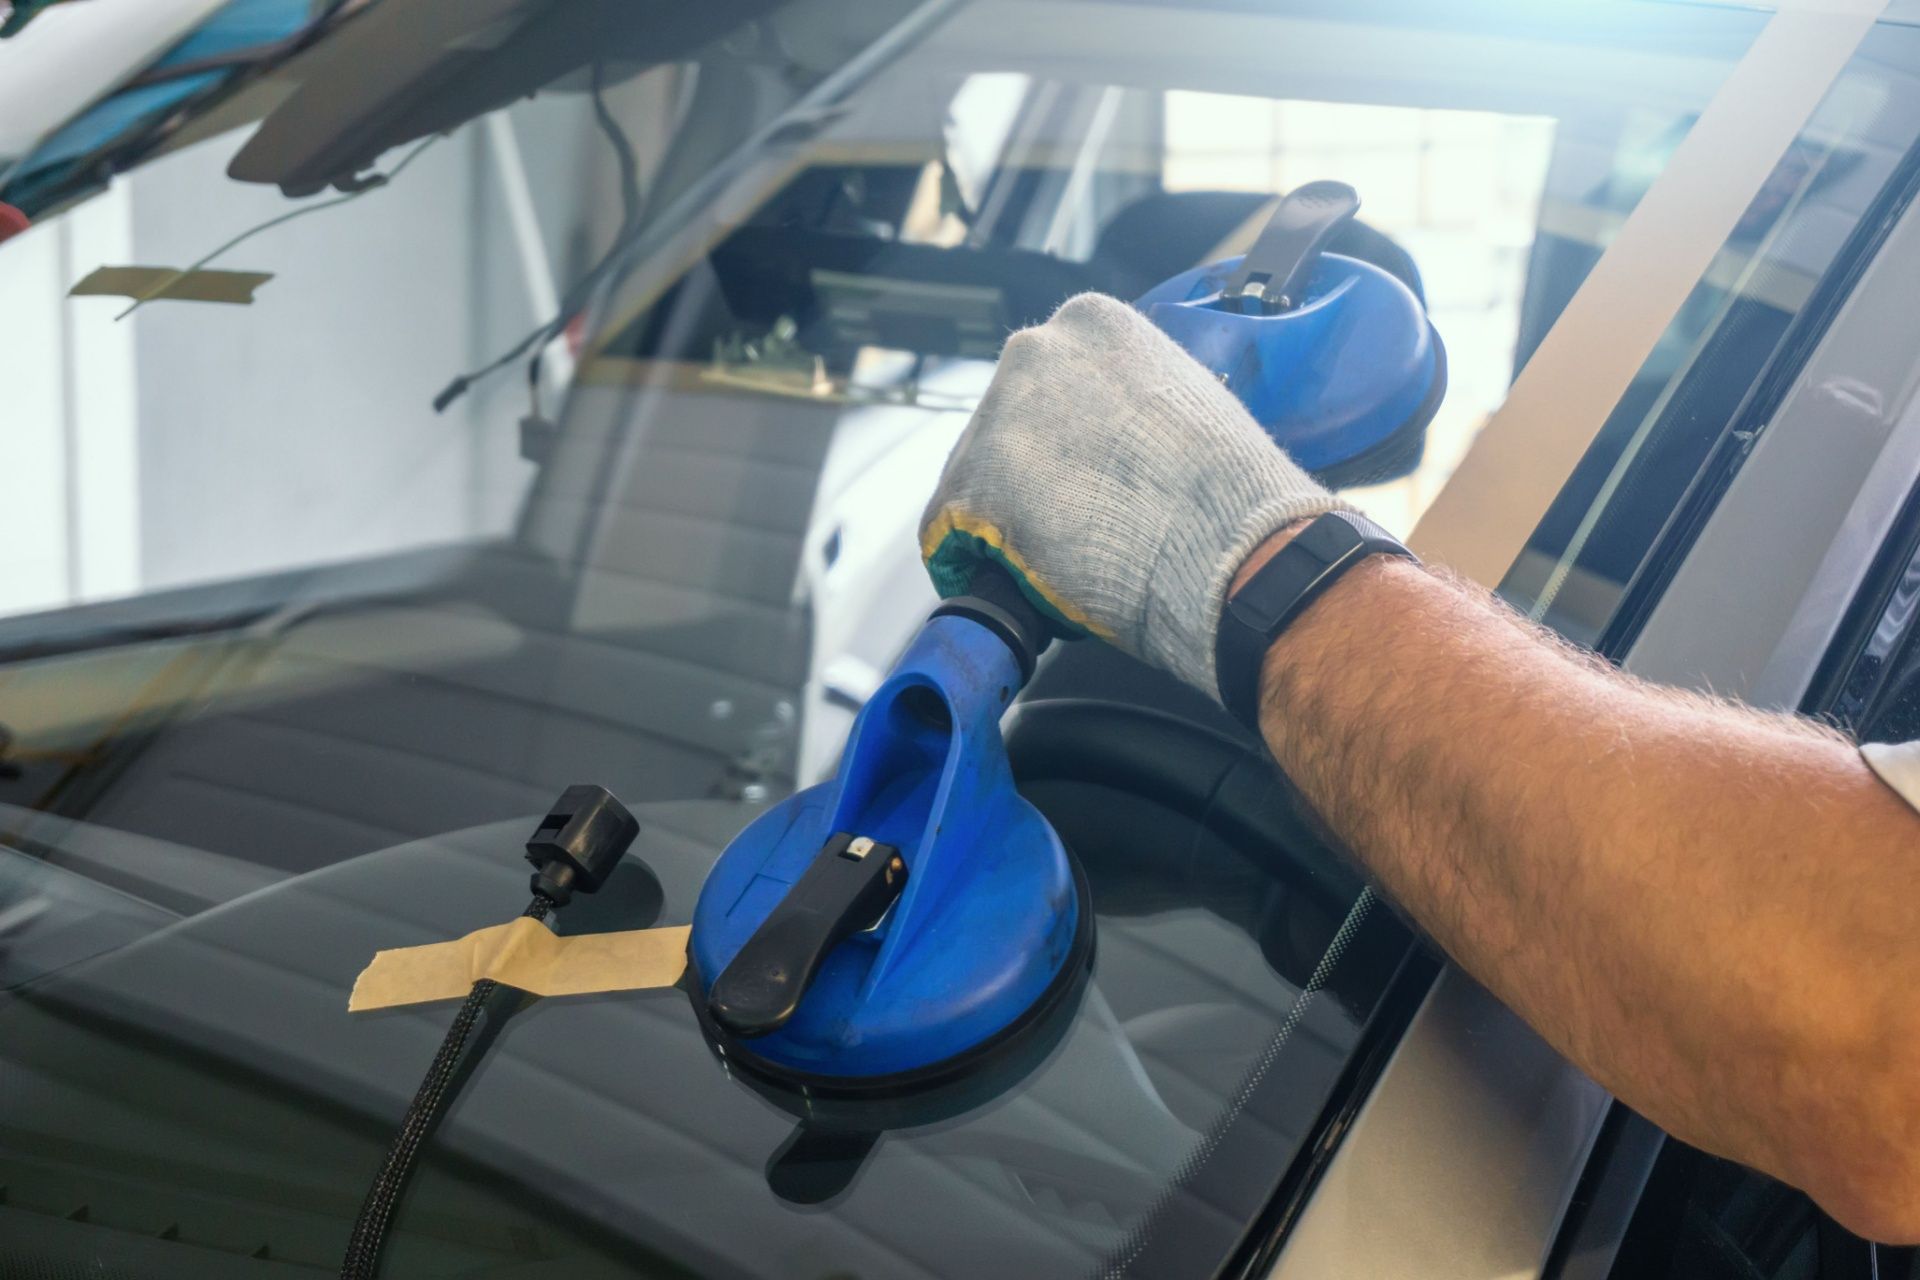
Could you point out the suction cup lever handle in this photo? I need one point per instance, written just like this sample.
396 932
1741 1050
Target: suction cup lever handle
1274 274
847 888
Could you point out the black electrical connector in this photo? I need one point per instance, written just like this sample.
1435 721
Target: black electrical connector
579 843
574 849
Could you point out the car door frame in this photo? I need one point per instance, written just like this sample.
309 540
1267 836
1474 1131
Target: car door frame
1465 1158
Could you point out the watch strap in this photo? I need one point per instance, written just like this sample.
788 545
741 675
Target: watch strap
1279 591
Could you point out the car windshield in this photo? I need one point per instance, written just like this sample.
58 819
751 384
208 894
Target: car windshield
418 406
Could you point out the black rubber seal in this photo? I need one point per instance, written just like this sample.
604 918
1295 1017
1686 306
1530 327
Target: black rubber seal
996 602
997 620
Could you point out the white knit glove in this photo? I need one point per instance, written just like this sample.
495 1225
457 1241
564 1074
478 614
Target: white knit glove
1119 482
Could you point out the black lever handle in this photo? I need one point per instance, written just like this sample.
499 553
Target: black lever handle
1273 276
848 887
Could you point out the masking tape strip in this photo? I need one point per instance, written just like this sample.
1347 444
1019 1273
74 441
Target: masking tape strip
145 284
1480 522
523 953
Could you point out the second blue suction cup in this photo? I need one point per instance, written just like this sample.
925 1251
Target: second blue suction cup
1335 358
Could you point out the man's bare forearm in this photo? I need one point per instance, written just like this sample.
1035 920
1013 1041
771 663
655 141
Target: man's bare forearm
1709 909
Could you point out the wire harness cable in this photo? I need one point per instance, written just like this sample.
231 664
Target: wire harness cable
574 849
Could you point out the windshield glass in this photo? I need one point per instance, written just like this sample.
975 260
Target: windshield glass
515 394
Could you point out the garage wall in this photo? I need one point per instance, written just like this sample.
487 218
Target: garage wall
68 457
193 441
299 428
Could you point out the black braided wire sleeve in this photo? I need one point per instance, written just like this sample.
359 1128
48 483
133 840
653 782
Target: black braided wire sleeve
448 1071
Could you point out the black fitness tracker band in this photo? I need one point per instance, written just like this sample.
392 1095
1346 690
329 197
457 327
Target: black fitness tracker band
1279 591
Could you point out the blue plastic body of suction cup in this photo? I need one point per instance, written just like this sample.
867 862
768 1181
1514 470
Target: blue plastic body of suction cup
991 919
1334 379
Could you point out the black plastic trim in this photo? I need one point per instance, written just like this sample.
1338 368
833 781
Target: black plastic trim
1606 1196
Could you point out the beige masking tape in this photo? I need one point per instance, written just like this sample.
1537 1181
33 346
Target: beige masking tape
524 954
1480 522
144 284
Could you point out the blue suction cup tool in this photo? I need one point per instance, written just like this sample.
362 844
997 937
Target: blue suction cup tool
1334 357
892 927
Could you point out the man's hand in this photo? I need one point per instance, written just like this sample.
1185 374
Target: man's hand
1119 482
1709 909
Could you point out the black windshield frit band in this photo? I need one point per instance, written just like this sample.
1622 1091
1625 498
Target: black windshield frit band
1279 591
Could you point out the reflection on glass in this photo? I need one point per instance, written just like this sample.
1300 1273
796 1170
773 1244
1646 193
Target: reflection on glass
1707 366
